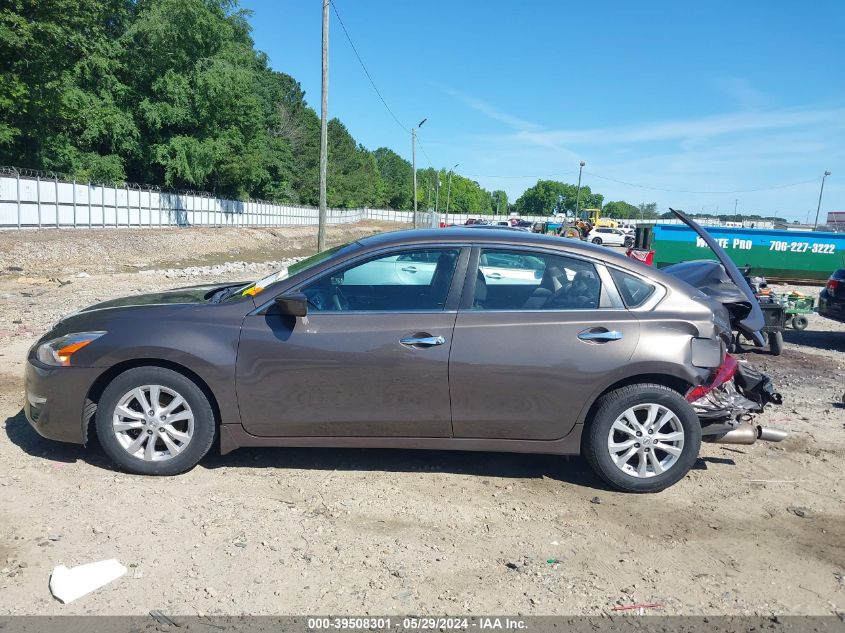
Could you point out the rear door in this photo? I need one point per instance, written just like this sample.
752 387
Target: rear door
525 358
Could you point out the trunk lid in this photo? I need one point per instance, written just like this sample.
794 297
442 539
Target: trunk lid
732 295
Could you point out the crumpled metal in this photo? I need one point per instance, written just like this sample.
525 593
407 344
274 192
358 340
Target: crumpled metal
724 403
746 394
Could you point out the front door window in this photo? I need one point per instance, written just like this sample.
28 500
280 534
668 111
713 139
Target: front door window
411 280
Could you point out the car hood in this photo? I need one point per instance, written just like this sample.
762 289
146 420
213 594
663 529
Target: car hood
189 295
752 323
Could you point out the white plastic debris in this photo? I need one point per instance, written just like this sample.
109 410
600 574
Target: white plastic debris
69 584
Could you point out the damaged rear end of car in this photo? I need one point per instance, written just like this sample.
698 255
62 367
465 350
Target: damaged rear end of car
736 392
728 404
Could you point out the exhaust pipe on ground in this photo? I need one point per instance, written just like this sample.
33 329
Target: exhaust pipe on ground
747 434
768 434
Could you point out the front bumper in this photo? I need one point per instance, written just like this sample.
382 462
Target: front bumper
55 400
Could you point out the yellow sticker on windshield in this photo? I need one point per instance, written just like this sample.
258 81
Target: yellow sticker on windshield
250 292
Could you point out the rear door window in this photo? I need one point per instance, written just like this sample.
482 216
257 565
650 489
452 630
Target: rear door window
522 280
635 292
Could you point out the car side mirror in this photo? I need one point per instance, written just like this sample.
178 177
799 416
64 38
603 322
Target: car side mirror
293 304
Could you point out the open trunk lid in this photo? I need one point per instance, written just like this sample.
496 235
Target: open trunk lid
752 324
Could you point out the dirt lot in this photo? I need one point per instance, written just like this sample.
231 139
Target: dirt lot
751 530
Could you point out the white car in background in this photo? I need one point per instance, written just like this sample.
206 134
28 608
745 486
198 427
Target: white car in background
610 237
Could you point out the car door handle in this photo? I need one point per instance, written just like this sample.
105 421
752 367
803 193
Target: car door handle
422 341
600 336
410 269
495 275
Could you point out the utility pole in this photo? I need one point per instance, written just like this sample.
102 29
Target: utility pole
324 131
819 208
736 202
449 191
436 201
414 165
578 191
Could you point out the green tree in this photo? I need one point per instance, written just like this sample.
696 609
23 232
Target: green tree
499 201
396 174
353 177
61 93
620 209
467 195
550 196
544 198
647 211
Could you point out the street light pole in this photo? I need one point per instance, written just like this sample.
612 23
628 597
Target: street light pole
436 201
449 191
324 113
414 165
819 208
578 191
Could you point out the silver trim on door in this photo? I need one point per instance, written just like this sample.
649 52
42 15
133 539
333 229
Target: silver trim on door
423 341
600 336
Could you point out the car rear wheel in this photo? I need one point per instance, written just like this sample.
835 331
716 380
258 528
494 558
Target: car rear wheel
596 240
642 438
155 421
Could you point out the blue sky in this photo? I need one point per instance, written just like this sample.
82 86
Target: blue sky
705 97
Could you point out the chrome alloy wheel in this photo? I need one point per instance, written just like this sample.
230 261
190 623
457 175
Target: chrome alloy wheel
153 423
646 440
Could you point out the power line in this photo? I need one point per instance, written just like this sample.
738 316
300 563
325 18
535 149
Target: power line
631 184
425 153
364 67
558 175
640 186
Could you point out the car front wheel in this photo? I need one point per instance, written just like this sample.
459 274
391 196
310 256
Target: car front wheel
155 421
642 438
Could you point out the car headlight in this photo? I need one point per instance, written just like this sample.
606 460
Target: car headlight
59 351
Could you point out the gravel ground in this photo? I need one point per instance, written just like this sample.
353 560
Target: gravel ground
751 530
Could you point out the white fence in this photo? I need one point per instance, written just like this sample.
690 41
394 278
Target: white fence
35 200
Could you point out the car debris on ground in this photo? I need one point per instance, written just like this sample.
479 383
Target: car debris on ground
68 584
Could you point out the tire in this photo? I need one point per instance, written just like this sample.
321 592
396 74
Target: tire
596 240
799 322
776 343
629 243
597 437
181 437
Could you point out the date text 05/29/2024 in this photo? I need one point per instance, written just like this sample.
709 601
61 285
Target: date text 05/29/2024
416 623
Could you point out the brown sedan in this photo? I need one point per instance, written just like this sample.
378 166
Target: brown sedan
458 339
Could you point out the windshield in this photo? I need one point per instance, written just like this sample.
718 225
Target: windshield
262 284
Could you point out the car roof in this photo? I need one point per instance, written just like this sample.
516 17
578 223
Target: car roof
496 236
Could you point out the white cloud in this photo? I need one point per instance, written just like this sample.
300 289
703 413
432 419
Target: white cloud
685 129
739 150
491 111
